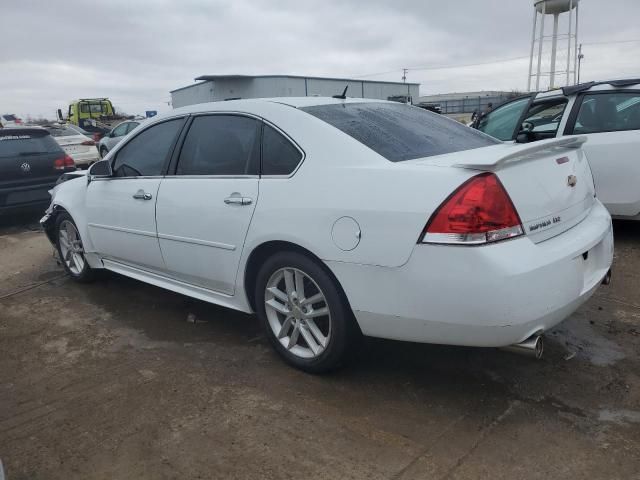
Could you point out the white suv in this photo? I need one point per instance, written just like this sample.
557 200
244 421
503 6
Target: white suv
607 113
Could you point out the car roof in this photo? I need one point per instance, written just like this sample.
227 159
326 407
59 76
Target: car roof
241 104
583 87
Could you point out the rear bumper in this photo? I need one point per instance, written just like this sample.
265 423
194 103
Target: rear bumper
24 197
487 296
86 158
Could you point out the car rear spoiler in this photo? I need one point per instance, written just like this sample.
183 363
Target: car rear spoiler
522 152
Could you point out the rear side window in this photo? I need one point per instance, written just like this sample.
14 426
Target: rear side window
221 145
18 143
608 112
146 153
400 132
279 156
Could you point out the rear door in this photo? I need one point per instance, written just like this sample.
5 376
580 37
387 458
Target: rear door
121 210
205 209
611 121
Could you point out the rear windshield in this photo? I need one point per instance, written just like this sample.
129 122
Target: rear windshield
62 131
400 132
9 118
17 143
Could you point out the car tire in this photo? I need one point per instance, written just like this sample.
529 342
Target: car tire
103 151
323 342
71 250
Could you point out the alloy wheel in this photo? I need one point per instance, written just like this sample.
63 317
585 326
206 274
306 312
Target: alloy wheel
71 249
298 312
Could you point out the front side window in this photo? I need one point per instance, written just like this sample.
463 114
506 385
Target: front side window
279 156
221 145
120 130
545 118
146 153
400 132
608 112
503 121
131 126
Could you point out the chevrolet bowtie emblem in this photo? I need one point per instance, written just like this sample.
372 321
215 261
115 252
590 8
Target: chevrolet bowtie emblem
572 180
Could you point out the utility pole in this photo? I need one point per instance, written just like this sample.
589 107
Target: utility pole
404 75
580 57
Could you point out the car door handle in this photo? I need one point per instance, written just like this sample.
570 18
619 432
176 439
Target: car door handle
238 201
142 195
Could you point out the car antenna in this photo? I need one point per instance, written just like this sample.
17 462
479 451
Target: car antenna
344 94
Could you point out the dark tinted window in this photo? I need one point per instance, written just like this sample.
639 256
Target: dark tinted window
221 145
279 156
608 112
15 143
146 153
400 132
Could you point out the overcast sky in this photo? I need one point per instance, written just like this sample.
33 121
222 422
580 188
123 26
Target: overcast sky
136 51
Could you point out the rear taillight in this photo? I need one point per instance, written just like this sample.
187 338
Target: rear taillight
97 136
64 163
88 142
479 211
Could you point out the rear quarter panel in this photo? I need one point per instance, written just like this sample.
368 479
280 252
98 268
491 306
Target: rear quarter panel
340 177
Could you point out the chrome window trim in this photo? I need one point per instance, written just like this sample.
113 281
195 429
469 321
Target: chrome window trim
193 177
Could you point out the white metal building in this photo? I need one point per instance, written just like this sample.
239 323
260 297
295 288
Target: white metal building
224 87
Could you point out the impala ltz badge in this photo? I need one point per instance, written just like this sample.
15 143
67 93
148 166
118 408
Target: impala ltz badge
572 180
25 167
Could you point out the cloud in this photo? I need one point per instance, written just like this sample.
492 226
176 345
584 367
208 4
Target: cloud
135 52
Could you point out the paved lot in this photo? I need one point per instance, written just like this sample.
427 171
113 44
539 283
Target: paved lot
110 381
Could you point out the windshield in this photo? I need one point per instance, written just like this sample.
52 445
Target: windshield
400 132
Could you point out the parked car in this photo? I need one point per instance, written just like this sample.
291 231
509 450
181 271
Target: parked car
330 218
30 163
607 113
111 139
9 120
76 143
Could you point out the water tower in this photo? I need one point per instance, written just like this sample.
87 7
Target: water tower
558 72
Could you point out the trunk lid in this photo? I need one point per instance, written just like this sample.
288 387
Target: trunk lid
549 182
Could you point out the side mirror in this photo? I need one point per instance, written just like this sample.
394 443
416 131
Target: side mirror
525 135
60 115
101 169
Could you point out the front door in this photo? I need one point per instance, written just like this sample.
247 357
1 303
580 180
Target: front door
121 211
205 209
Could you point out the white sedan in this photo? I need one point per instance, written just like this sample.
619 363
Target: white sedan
331 218
76 143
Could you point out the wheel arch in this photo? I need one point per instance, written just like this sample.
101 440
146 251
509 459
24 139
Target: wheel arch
266 249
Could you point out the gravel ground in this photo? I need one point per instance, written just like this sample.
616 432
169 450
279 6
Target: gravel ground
111 381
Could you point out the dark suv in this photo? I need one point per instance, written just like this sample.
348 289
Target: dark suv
30 163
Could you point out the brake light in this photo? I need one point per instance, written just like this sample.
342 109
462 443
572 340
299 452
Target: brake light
479 211
64 163
88 142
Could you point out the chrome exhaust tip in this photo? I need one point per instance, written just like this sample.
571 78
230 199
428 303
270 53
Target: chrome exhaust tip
607 278
532 347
